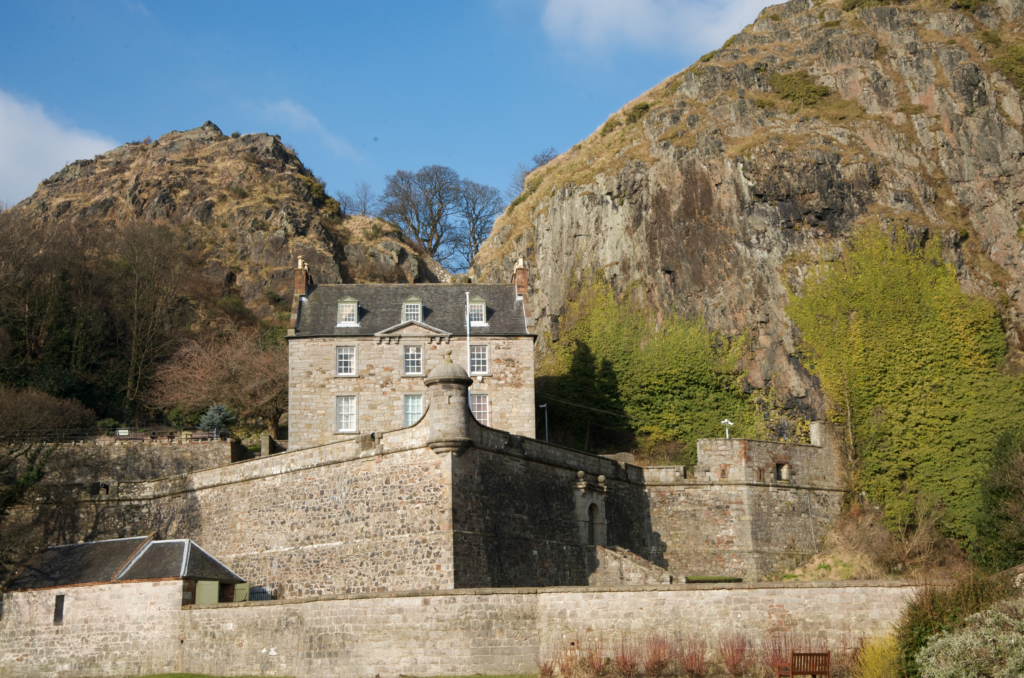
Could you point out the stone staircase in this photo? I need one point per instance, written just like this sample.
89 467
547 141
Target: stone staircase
617 566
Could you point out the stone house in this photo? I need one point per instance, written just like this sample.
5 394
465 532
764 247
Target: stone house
358 354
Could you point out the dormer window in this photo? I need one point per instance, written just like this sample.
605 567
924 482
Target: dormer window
348 312
412 310
477 312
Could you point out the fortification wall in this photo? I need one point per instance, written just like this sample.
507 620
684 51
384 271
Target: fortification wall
737 517
353 516
458 632
108 630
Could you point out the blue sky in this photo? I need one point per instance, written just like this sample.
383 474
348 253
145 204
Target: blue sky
360 89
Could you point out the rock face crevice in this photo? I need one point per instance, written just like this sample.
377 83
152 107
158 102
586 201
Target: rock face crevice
720 200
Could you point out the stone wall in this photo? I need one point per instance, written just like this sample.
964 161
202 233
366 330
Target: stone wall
520 509
359 515
738 516
108 630
379 385
439 633
105 459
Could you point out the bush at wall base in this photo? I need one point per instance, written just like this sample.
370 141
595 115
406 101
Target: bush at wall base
991 645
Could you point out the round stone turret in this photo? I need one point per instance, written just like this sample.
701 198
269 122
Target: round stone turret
449 413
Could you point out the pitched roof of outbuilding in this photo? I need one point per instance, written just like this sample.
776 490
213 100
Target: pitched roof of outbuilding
72 564
380 308
112 560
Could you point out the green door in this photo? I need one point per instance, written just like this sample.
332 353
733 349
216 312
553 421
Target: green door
207 592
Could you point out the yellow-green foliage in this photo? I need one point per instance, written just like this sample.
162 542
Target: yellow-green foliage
318 191
798 87
676 382
880 658
1010 62
912 367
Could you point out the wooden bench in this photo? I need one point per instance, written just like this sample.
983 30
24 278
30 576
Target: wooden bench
804 664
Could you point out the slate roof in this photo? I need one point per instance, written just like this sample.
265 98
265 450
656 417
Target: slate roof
163 559
121 560
86 563
380 308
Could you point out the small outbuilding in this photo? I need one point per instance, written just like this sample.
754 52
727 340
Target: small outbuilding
205 580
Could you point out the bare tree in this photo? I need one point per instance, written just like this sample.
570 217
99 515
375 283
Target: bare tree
243 369
517 181
421 204
544 157
150 312
479 206
364 199
345 202
32 425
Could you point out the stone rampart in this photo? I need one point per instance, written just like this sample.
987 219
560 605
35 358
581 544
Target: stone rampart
459 632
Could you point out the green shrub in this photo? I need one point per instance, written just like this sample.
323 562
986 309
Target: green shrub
709 56
798 87
990 645
108 423
990 38
935 609
1010 62
969 5
850 5
1000 522
831 24
673 382
728 43
238 191
913 369
610 125
637 112
775 17
764 103
235 135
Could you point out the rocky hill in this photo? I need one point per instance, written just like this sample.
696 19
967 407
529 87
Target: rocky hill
723 184
247 205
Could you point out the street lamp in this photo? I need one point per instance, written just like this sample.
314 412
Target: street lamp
545 408
727 425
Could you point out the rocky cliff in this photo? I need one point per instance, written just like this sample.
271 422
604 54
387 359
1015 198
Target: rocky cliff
716 190
247 205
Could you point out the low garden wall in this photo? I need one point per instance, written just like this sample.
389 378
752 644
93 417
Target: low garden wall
505 631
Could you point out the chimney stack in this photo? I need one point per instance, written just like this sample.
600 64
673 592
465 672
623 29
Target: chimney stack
303 285
520 278
302 279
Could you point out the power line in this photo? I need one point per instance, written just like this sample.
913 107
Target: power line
568 402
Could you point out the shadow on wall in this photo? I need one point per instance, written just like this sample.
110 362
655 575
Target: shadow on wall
591 382
60 516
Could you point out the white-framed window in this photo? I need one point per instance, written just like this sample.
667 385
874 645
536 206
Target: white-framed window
346 413
477 312
412 406
412 360
478 359
480 408
348 312
346 361
412 309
